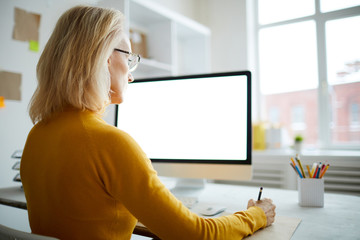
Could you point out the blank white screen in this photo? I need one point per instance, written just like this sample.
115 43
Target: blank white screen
198 118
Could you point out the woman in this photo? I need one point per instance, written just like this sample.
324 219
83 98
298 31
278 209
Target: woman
85 179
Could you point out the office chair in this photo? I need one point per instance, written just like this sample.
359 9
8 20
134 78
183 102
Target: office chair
12 234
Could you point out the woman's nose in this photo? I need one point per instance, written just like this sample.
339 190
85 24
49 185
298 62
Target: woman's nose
130 78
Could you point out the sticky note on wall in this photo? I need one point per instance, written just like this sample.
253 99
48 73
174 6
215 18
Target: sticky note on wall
2 102
34 46
10 85
26 26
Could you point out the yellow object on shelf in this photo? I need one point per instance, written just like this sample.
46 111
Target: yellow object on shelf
259 136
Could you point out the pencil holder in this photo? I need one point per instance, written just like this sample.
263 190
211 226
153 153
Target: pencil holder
311 192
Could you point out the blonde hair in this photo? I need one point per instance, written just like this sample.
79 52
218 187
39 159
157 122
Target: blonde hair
72 69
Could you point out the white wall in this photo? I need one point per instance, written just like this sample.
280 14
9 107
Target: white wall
15 57
227 21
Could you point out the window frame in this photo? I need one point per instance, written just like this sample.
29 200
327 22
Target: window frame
320 19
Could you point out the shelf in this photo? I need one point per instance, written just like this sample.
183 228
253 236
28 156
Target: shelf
151 68
150 63
144 15
176 45
147 13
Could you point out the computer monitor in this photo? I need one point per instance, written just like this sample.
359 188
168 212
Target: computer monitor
194 126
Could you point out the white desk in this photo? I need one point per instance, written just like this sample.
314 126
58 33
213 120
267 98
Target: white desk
339 219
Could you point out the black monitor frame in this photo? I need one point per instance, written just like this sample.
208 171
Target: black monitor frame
248 160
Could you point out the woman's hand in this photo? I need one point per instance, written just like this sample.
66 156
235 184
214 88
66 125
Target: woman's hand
267 205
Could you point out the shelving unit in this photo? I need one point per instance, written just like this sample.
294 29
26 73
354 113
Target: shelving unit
176 45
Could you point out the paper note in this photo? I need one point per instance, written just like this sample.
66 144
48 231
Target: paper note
282 229
10 85
26 26
34 46
2 102
138 42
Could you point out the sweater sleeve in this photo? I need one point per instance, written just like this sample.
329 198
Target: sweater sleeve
130 178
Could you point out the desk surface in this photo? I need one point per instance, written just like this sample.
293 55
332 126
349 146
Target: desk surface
339 219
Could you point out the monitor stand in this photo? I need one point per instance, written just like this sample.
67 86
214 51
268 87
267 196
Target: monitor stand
188 187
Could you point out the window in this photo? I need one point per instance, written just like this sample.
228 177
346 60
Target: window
331 5
354 122
298 124
309 69
274 115
354 114
288 58
273 10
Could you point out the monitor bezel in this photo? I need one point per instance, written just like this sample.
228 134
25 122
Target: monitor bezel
246 73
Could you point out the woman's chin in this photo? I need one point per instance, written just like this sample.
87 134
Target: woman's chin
116 100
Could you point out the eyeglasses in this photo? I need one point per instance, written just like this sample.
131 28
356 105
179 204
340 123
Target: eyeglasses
133 59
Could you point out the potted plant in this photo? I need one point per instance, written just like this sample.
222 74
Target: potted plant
298 143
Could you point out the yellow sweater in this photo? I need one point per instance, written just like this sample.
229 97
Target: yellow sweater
85 179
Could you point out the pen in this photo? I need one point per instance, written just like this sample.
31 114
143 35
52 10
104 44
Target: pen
293 161
316 170
308 168
313 169
301 168
297 169
323 172
293 166
260 191
323 167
